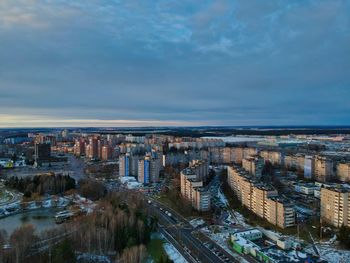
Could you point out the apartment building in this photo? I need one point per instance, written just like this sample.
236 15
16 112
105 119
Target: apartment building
296 162
323 169
260 193
309 166
335 206
79 147
253 165
124 164
279 212
106 152
192 185
272 156
228 155
343 172
260 199
148 169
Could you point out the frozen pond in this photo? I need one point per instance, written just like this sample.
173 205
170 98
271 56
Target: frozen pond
42 219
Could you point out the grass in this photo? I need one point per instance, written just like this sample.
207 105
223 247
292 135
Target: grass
155 249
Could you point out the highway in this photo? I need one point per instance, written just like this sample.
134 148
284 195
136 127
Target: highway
181 233
182 238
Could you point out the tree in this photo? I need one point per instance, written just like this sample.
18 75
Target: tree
3 238
135 254
63 253
165 259
344 236
21 240
92 189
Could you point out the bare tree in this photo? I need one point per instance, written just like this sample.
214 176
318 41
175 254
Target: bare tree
21 240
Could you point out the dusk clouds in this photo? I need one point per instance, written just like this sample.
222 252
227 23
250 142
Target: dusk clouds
110 63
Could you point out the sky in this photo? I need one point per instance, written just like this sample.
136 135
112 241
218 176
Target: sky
174 63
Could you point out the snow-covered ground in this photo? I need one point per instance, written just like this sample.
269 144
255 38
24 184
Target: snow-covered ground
9 209
173 253
221 237
197 222
331 254
86 257
222 197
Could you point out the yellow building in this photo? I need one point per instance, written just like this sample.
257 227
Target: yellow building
192 185
343 172
335 208
260 199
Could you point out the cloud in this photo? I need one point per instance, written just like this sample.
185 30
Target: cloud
213 61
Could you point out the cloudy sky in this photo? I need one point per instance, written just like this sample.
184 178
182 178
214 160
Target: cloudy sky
171 62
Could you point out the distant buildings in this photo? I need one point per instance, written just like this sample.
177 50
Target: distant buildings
260 199
148 169
343 172
309 166
192 181
253 165
323 169
124 165
79 147
106 153
42 152
145 168
229 155
274 157
335 206
92 149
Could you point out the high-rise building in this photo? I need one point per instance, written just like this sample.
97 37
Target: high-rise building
192 185
323 169
261 199
93 150
144 170
79 147
42 152
309 165
275 158
148 169
335 206
124 164
343 172
106 153
253 165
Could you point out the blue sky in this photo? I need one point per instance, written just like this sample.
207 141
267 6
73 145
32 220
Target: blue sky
140 63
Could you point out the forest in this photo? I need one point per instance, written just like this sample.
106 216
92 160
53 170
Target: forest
42 184
119 228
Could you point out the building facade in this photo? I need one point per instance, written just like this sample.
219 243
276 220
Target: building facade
260 199
335 208
192 185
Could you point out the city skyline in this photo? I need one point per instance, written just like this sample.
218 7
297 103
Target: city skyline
166 63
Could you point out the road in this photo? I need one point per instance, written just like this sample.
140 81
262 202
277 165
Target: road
181 237
183 232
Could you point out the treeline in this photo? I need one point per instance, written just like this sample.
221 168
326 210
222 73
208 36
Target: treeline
119 222
42 184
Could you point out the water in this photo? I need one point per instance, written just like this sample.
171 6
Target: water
42 219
